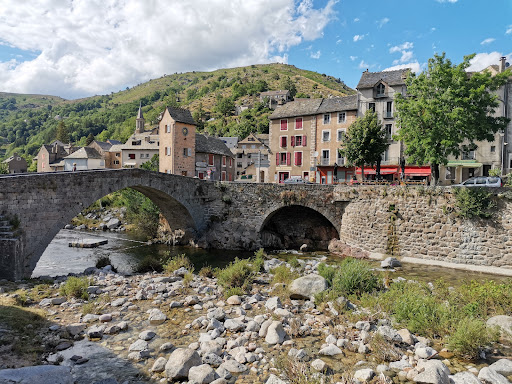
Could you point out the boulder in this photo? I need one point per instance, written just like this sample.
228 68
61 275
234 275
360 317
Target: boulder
159 365
330 350
40 374
490 376
364 375
503 367
464 378
434 372
233 366
273 379
156 316
503 322
319 365
275 333
390 262
201 374
180 362
147 335
113 224
389 333
234 300
139 345
233 325
307 286
273 303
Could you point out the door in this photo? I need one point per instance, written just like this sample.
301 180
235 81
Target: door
283 176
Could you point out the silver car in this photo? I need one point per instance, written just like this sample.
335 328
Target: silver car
482 181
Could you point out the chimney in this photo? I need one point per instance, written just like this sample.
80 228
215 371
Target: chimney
503 64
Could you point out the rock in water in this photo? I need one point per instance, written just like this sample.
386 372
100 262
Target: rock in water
307 286
390 262
40 374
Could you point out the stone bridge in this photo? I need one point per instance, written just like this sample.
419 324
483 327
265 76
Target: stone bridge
414 223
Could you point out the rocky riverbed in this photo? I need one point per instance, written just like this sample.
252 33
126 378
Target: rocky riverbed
156 328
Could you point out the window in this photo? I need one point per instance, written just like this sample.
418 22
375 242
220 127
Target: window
342 117
296 141
167 128
230 161
201 175
118 154
168 151
298 123
381 89
239 165
284 125
142 155
493 148
327 118
283 141
131 156
244 146
325 157
389 109
468 155
283 158
223 176
253 146
305 175
211 159
371 106
340 160
185 152
223 161
116 162
389 132
340 135
298 159
326 136
183 173
385 155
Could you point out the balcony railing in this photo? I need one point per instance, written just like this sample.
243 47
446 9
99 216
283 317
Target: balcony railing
388 115
324 161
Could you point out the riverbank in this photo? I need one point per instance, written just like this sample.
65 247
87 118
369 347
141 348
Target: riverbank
150 328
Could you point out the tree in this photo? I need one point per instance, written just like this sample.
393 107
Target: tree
365 141
62 133
446 110
225 106
3 169
151 165
289 85
89 139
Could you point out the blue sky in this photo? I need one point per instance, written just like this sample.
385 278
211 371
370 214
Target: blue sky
86 47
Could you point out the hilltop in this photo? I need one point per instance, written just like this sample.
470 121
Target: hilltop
28 121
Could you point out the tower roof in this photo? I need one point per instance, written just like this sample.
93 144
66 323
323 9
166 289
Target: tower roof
139 114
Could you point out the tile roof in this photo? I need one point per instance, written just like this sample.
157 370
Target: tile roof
209 144
181 115
369 79
85 153
336 104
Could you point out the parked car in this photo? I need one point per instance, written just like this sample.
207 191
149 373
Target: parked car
296 180
482 181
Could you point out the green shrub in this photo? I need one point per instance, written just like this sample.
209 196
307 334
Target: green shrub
259 260
327 272
470 336
206 271
177 262
473 202
103 261
484 299
233 291
149 264
354 277
294 263
75 287
283 274
238 273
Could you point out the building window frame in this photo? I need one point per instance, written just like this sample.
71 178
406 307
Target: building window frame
299 123
283 141
371 106
326 118
340 135
326 136
298 158
342 117
211 159
283 124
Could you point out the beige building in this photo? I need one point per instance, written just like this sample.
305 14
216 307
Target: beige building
177 142
252 158
305 135
15 164
50 158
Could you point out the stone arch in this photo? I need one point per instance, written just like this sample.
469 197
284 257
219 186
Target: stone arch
290 226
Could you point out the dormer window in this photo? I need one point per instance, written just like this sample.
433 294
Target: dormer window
380 91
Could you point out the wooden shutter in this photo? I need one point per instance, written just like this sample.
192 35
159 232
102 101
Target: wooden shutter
277 159
304 143
288 158
292 141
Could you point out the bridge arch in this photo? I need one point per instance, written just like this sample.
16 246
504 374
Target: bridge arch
291 225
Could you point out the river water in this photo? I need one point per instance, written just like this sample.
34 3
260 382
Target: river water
125 251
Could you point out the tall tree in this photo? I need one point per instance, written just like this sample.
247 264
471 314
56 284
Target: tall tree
62 133
289 85
89 139
446 110
365 141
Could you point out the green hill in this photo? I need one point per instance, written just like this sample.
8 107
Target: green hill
28 121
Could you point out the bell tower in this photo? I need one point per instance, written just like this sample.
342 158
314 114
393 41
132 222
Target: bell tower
139 122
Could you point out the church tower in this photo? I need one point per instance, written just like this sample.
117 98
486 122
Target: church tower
139 122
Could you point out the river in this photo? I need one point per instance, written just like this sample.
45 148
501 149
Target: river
126 250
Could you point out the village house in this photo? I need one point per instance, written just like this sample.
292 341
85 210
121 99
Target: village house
305 135
84 159
275 98
213 159
112 159
50 157
15 164
252 158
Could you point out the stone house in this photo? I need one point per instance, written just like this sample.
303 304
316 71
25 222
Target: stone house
304 138
16 164
213 159
84 159
112 158
178 142
50 158
252 158
276 98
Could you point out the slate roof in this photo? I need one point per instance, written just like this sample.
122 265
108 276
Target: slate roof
298 107
61 152
103 145
274 93
369 79
230 142
209 144
181 115
114 142
85 153
336 104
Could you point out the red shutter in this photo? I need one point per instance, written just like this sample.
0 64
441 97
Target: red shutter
292 141
296 157
277 159
299 159
288 158
304 141
285 141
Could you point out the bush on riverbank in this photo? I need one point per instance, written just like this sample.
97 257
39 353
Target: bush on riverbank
75 287
174 263
470 336
238 274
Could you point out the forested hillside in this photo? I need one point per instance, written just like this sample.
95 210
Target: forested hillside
28 121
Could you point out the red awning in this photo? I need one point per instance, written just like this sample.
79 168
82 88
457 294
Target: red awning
417 171
373 171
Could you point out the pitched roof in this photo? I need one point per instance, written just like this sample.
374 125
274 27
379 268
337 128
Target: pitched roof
298 107
85 153
336 104
103 145
181 115
139 113
274 93
369 79
209 144
230 142
114 142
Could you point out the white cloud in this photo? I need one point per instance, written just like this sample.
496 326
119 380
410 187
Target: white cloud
447 1
509 30
353 58
382 22
358 37
401 47
356 20
363 65
415 67
339 41
315 55
483 60
98 46
487 41
405 49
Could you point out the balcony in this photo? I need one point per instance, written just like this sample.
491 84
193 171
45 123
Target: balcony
324 161
388 115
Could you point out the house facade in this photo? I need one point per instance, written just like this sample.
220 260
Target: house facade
112 159
85 158
252 158
50 158
177 142
276 98
16 164
213 159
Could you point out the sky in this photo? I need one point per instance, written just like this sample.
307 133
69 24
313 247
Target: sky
80 48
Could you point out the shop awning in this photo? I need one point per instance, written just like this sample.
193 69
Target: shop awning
373 171
417 171
464 164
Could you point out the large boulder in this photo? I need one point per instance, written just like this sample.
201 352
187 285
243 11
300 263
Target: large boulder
503 367
156 316
434 372
202 374
275 333
307 286
113 224
489 375
40 374
180 362
464 378
503 322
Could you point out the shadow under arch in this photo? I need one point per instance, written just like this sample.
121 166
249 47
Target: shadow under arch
291 226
